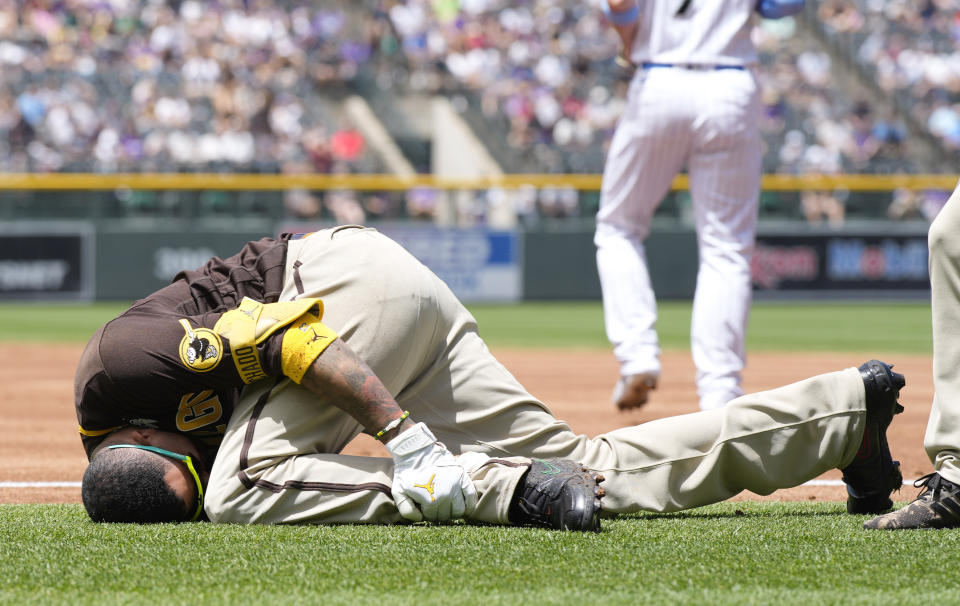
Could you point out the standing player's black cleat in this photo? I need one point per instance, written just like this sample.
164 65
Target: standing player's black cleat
559 494
873 474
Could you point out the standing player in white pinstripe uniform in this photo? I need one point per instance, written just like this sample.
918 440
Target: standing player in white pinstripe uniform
693 103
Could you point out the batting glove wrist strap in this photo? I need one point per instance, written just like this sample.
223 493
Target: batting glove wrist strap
428 481
411 441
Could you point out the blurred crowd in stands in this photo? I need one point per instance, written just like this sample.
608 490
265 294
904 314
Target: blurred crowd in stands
251 85
130 85
910 48
546 67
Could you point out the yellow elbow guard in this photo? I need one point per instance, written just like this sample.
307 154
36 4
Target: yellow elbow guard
252 322
303 341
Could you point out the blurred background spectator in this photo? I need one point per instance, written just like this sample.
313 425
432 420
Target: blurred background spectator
140 86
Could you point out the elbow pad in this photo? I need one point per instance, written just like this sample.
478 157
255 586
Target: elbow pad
303 341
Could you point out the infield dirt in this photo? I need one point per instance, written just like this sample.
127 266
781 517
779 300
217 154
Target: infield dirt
40 441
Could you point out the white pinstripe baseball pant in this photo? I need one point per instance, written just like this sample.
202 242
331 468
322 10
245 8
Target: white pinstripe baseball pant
707 120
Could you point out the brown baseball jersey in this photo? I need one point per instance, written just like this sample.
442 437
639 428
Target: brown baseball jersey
168 361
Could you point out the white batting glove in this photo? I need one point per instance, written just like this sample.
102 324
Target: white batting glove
428 482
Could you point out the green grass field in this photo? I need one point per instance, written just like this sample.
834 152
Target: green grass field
732 553
855 327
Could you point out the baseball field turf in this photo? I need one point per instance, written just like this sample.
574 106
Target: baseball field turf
736 553
773 326
743 552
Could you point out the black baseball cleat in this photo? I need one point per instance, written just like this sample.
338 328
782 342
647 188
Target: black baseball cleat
559 494
873 474
937 506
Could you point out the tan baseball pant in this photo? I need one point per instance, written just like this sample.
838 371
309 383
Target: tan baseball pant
942 440
279 464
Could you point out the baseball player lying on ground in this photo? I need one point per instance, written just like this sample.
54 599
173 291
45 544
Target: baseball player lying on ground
266 364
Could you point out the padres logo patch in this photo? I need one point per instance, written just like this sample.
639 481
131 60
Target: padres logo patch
200 349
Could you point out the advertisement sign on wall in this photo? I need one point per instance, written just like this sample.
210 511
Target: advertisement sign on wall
478 264
47 262
132 265
841 262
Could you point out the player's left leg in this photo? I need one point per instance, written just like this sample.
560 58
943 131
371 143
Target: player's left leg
760 442
938 506
278 463
649 147
942 439
725 185
765 441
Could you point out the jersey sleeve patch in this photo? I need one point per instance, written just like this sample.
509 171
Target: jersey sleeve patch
200 349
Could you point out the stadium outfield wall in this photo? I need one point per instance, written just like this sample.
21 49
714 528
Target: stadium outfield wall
83 261
83 258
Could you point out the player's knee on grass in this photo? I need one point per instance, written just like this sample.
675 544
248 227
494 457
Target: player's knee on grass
125 486
219 505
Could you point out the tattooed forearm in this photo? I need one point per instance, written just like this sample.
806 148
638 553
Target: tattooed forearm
340 378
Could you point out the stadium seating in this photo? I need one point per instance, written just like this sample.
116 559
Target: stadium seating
233 86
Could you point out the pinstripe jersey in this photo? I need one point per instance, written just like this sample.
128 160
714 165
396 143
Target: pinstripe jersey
698 32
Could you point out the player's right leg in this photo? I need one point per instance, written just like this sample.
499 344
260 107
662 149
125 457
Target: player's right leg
648 148
725 187
268 469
